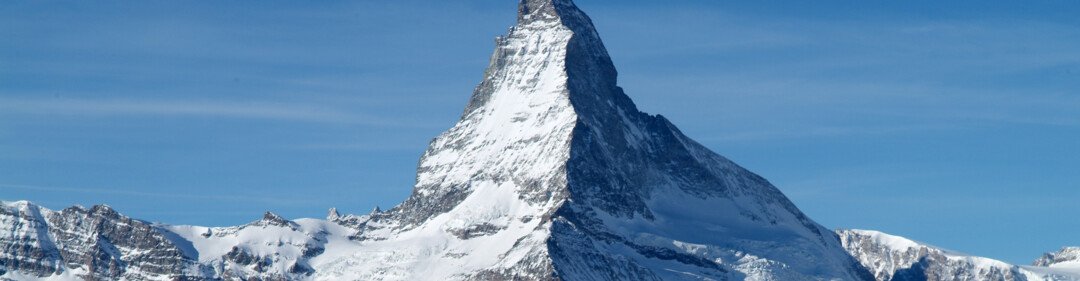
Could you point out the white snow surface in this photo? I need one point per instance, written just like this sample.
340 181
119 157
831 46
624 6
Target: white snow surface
69 275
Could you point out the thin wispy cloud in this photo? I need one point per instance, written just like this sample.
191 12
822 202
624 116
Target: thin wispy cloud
845 180
822 77
390 145
181 108
821 132
292 200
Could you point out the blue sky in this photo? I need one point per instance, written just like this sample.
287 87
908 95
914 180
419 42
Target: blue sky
956 124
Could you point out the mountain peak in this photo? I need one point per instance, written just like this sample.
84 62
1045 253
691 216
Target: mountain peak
333 215
104 211
550 143
519 121
18 205
532 10
272 219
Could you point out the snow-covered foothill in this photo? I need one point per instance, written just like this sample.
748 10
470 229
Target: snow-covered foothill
891 257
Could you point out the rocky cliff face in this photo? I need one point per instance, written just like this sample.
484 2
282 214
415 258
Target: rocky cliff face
90 244
896 258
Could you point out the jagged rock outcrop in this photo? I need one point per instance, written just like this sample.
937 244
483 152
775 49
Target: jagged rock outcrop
1066 257
89 244
899 259
100 244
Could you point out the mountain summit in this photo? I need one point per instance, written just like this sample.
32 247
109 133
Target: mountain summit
556 174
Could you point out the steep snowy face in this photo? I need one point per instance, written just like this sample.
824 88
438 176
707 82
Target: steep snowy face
1067 257
896 258
486 187
515 132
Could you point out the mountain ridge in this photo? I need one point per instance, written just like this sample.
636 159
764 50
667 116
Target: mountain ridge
920 257
1066 257
891 257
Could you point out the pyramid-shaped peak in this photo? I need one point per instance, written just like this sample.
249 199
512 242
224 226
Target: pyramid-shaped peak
549 72
333 215
553 47
549 142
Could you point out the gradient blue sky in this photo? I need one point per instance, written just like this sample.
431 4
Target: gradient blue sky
957 124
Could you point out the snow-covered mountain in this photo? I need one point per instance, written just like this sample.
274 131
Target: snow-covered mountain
552 173
896 258
92 244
